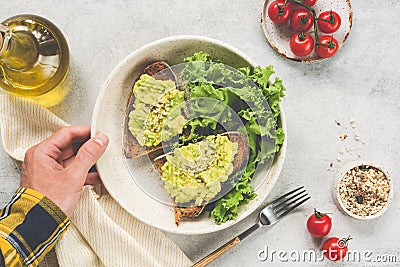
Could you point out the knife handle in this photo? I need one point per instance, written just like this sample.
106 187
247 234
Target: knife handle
218 252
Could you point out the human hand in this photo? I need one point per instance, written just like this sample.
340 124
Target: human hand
54 169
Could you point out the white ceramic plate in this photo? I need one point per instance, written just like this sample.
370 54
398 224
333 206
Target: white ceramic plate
108 117
279 36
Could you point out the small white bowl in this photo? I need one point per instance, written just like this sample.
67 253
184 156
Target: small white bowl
338 200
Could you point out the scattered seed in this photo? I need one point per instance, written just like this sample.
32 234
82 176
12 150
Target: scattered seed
339 159
331 164
363 142
359 155
353 126
356 137
338 123
341 151
351 120
343 136
349 149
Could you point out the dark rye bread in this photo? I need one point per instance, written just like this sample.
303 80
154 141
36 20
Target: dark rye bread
132 149
187 212
239 161
242 155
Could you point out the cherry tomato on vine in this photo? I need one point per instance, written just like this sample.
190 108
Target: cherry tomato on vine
335 249
309 2
301 20
327 46
319 224
329 21
301 44
279 11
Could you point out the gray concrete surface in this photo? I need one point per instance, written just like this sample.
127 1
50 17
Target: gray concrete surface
362 81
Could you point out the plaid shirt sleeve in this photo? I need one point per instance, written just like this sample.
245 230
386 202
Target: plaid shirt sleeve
30 225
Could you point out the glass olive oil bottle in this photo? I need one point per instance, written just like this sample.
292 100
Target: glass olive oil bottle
34 59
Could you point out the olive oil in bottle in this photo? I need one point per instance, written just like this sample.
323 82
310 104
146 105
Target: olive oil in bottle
34 59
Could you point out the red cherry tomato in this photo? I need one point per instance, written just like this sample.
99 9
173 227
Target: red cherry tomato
309 2
279 11
301 20
328 21
327 46
301 44
319 224
335 249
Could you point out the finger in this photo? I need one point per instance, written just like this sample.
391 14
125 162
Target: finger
88 154
67 153
68 162
71 150
64 137
92 178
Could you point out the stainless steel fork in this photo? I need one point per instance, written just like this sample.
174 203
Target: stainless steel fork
271 214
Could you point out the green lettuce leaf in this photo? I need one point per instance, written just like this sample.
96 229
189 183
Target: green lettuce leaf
248 92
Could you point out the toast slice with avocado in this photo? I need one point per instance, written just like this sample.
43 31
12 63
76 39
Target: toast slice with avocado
132 148
190 210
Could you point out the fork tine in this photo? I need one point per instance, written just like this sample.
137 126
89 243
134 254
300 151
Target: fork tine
293 207
285 195
288 199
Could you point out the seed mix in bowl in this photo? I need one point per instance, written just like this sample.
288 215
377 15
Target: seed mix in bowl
364 190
